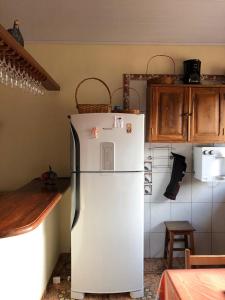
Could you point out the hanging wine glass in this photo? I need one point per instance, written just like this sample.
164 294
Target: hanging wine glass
11 72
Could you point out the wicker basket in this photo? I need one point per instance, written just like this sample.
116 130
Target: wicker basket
164 79
129 111
93 108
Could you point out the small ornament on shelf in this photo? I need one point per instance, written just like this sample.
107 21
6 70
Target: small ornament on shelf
15 32
49 177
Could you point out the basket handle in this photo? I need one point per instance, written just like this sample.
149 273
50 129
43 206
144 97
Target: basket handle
133 89
93 78
151 58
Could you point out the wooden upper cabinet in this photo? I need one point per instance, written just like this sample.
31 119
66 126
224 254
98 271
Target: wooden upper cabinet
185 113
206 115
167 110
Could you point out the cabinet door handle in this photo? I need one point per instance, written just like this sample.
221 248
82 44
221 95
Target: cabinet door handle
187 114
223 132
151 131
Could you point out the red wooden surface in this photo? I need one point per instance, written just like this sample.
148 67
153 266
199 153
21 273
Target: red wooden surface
23 210
192 284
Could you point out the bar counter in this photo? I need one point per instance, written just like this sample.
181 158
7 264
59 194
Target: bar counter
23 210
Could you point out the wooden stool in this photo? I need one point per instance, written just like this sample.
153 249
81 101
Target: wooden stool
174 228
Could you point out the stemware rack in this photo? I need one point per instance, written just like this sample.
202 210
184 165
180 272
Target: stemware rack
15 53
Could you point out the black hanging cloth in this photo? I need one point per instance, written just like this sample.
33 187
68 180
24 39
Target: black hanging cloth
178 172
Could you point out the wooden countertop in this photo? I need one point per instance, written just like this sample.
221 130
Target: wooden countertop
24 209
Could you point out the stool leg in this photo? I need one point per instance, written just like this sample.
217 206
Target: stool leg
186 241
192 243
170 258
166 244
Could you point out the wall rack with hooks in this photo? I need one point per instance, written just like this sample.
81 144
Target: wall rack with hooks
161 157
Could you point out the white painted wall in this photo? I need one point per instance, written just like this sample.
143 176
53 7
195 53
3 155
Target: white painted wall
27 260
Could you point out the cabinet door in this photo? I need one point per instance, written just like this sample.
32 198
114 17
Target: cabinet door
167 119
205 119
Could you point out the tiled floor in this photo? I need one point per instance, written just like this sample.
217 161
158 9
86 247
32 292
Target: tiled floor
153 270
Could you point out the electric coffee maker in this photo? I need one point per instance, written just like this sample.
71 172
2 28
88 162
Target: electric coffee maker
192 69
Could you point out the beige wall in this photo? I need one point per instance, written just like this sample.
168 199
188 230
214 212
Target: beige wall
34 130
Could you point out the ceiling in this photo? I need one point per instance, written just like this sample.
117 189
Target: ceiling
118 21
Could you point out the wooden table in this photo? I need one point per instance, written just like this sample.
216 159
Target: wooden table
23 210
192 284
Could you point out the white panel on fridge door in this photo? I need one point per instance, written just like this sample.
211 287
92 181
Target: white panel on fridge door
124 131
107 240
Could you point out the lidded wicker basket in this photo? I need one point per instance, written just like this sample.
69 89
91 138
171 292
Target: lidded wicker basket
164 79
93 108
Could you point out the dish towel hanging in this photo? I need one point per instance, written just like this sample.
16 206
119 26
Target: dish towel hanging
178 172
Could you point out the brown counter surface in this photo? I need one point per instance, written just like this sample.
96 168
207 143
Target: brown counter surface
24 209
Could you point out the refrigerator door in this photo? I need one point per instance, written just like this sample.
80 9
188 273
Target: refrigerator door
108 142
107 240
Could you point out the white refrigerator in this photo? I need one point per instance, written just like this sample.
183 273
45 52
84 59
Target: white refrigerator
107 204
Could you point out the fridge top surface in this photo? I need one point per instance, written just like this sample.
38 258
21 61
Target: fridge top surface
105 114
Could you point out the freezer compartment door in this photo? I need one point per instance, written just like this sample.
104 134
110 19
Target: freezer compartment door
107 240
108 141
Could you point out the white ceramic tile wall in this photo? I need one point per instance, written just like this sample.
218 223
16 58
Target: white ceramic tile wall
147 244
218 192
218 217
156 242
160 212
218 241
202 216
181 211
203 243
203 204
147 217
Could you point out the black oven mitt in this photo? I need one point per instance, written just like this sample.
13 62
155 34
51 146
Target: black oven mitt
178 172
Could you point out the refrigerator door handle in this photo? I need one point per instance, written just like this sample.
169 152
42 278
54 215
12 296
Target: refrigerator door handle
75 142
76 181
75 199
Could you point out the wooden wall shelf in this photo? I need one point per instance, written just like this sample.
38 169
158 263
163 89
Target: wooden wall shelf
13 51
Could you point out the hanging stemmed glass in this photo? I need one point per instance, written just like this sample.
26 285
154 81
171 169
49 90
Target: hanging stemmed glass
18 75
4 70
1 68
11 72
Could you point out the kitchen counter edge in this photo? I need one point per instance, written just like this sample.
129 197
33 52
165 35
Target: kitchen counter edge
23 210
